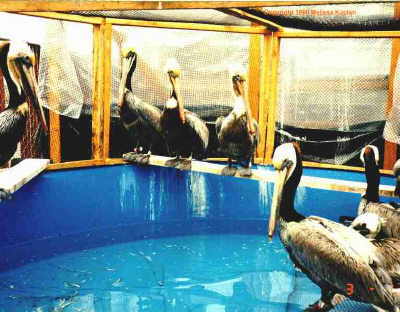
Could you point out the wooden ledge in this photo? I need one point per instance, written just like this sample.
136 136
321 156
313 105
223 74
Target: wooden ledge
268 175
260 174
14 178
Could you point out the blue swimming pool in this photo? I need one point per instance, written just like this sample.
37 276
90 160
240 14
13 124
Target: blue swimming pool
127 238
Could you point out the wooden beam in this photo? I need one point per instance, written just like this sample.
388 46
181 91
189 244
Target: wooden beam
66 17
54 101
341 167
266 175
272 63
98 87
390 149
188 26
254 76
103 5
17 176
55 137
107 82
252 18
339 34
76 164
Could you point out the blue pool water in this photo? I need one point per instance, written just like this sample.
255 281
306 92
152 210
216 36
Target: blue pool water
208 273
136 239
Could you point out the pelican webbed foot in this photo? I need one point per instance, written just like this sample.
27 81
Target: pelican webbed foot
327 302
185 164
4 195
173 162
132 157
229 171
245 172
144 159
319 306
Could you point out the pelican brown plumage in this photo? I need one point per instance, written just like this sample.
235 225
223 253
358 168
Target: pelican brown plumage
140 119
17 62
186 134
370 225
330 254
370 201
238 132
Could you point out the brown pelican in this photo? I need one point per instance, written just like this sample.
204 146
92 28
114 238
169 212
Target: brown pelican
238 133
140 119
17 62
370 225
186 134
370 200
329 253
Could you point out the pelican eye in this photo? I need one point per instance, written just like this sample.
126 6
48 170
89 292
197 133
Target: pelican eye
26 60
287 163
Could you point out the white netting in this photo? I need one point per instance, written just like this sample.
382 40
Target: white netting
333 83
65 73
193 16
204 57
338 87
392 126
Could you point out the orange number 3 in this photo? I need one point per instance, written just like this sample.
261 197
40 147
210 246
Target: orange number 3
349 289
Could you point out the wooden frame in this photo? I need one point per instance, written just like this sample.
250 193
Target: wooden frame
263 87
90 5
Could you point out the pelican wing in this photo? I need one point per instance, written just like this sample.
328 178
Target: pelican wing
330 258
218 124
390 248
199 127
150 114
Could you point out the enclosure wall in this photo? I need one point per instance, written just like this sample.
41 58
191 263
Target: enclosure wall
124 203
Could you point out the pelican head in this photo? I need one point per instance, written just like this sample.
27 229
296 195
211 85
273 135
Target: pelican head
239 79
396 172
175 101
128 66
285 161
20 62
172 68
368 224
370 152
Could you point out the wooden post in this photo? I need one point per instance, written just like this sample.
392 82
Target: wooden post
254 77
272 49
390 149
98 85
54 101
107 72
55 137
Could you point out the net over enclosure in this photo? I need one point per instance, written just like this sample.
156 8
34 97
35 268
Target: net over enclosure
206 59
64 80
333 95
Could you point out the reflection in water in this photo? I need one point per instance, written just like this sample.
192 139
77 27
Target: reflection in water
197 193
230 273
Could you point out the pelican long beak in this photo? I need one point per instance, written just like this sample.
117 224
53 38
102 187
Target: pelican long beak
396 172
241 91
128 65
174 78
281 176
31 89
